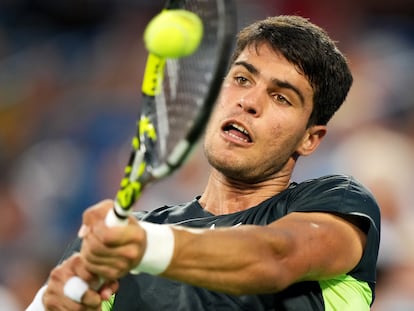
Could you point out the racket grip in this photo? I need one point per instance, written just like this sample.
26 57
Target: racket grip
75 287
112 220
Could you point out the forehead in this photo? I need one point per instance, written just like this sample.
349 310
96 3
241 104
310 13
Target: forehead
271 64
264 53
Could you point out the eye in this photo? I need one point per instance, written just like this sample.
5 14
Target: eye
281 99
241 80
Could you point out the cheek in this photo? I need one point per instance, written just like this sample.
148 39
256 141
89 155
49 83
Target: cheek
285 140
225 95
213 126
219 112
214 120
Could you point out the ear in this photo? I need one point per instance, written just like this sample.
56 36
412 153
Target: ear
311 140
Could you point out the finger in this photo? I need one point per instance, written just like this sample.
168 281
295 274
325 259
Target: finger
78 291
83 231
112 269
118 235
94 250
108 289
113 264
55 300
128 242
96 212
80 269
52 302
91 299
80 286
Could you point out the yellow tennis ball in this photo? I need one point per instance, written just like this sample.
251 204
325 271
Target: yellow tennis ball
173 33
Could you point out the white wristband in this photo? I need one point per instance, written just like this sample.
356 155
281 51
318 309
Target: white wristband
159 251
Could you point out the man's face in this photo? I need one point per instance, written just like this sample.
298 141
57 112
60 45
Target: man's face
260 118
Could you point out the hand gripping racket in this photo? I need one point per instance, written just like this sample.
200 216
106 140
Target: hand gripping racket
178 95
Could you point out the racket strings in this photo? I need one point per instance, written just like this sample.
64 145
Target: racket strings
187 84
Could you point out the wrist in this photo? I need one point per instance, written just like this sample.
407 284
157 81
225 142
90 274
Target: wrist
159 250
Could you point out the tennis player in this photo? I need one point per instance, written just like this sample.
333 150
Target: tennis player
254 239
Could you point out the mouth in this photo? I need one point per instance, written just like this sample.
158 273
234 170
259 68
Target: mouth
237 131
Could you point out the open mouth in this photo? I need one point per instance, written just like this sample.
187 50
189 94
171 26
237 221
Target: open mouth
237 131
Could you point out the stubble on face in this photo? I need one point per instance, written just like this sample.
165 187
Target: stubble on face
278 130
238 166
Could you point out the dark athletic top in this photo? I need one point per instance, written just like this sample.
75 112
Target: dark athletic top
338 194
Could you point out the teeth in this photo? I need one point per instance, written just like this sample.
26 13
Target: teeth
239 138
240 128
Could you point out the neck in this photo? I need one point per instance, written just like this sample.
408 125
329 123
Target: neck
224 195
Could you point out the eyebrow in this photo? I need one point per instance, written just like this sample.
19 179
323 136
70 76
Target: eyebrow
279 83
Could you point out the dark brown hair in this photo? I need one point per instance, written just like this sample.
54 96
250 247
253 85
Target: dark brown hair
311 50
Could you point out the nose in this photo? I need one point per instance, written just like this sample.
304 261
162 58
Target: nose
251 102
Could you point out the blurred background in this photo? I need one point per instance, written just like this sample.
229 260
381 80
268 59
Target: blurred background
70 75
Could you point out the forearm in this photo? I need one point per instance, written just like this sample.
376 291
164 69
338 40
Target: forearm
238 260
241 260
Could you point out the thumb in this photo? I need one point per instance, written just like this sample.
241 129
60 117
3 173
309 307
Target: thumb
96 212
83 231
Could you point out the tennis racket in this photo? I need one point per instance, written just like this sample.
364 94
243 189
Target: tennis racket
178 95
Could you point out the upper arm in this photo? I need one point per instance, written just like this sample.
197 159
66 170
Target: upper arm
318 245
253 259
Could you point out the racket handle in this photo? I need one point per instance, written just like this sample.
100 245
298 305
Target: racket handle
75 287
112 220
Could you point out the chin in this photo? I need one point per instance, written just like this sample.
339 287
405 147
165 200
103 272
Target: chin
232 170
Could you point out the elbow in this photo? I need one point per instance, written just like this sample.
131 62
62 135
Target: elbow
273 276
266 276
270 270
